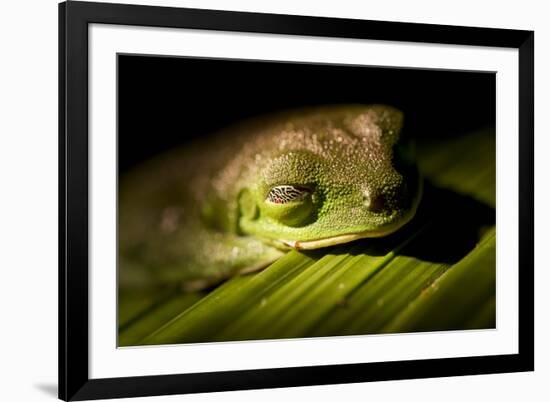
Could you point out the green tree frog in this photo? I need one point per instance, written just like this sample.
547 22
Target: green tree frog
301 179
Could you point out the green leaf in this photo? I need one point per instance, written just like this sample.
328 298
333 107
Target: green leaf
461 298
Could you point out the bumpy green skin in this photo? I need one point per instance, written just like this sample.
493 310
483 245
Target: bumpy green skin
200 214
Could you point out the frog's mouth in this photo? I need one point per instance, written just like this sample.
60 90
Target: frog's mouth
345 238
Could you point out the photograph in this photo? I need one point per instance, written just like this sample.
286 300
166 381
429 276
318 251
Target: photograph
265 200
252 200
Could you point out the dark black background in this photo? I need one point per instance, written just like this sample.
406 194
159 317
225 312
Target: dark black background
166 101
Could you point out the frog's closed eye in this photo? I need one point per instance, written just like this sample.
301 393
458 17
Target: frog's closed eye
290 205
287 193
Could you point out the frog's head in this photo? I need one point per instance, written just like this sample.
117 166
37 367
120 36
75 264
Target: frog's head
334 175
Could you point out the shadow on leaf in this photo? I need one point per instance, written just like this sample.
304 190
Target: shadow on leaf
447 226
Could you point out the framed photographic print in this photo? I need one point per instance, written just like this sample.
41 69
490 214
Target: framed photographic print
256 200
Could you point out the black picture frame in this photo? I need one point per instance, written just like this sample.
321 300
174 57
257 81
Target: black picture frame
74 381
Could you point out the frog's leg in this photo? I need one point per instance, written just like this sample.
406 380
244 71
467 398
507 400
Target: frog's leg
164 239
220 256
192 257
